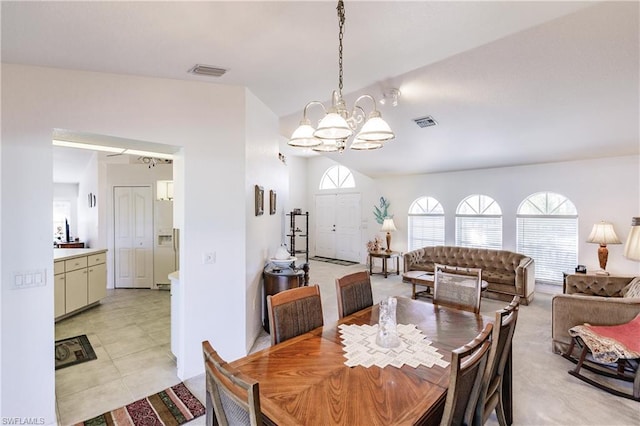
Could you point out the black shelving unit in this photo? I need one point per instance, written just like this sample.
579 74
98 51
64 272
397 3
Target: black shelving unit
296 222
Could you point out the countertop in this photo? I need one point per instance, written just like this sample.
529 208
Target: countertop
64 254
174 276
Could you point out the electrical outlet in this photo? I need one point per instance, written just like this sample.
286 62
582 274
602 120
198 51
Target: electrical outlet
208 258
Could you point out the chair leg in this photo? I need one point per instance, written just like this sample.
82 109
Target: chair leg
502 420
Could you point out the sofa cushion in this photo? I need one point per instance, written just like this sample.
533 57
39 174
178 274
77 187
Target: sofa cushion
632 289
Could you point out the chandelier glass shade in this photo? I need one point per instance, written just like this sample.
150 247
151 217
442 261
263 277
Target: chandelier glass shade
339 123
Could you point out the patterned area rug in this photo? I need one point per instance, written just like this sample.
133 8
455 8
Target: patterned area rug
73 350
336 261
173 406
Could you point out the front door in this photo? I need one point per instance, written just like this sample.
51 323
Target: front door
338 234
347 218
133 236
325 225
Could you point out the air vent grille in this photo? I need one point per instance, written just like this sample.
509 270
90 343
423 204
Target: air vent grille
207 70
427 121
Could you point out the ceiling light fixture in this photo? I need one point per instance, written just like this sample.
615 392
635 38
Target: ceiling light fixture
339 124
391 97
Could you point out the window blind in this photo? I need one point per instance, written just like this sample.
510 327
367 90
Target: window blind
481 231
552 242
425 230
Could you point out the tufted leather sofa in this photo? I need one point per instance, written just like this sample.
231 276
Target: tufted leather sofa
507 273
590 298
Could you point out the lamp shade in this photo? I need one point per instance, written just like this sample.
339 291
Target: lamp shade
603 233
632 246
375 129
388 225
303 136
361 145
333 126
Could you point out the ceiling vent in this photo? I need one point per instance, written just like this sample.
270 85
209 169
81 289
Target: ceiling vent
207 70
427 121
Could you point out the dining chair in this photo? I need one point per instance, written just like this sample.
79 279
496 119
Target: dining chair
457 287
354 293
294 312
468 364
491 396
232 397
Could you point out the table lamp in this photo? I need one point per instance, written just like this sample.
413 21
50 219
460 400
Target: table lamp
603 234
632 246
388 226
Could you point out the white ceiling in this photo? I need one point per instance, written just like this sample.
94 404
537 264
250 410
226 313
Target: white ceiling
508 82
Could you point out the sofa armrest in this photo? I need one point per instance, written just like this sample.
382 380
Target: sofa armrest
526 278
596 285
412 257
570 310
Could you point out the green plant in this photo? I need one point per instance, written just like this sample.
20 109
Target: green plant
382 211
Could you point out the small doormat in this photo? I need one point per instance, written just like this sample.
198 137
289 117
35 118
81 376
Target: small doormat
173 406
73 350
336 261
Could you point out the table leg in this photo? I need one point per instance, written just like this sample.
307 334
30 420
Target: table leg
413 292
370 265
398 265
384 267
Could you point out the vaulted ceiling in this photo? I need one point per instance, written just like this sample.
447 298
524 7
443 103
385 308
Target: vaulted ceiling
509 83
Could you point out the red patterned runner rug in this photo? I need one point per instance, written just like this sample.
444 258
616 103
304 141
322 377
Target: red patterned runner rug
173 406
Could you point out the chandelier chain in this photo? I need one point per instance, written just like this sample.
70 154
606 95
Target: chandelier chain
341 19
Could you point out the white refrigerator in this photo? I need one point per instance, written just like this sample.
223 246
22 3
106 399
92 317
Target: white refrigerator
164 254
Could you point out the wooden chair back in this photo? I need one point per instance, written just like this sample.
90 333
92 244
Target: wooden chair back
468 365
232 398
491 396
294 312
354 293
457 287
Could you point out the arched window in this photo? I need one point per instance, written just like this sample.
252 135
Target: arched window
426 223
337 177
547 231
479 223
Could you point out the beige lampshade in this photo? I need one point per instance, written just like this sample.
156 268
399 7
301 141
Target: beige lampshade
632 246
388 225
603 233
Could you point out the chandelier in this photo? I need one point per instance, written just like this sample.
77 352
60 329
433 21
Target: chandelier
338 123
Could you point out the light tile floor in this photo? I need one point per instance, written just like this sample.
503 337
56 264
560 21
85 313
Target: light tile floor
130 332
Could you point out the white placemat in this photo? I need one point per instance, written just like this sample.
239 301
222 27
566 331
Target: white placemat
359 345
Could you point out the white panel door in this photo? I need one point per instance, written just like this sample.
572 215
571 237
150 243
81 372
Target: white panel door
347 219
338 234
325 225
133 236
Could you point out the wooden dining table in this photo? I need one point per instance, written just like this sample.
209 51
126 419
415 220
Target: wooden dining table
304 380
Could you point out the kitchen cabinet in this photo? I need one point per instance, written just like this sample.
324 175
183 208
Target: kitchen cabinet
80 280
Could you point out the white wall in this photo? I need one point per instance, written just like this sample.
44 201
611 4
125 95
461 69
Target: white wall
208 121
601 189
88 218
264 232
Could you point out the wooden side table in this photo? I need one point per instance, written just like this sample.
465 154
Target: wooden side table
385 256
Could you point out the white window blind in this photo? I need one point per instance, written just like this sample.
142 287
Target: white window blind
426 223
479 223
479 232
426 230
547 231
